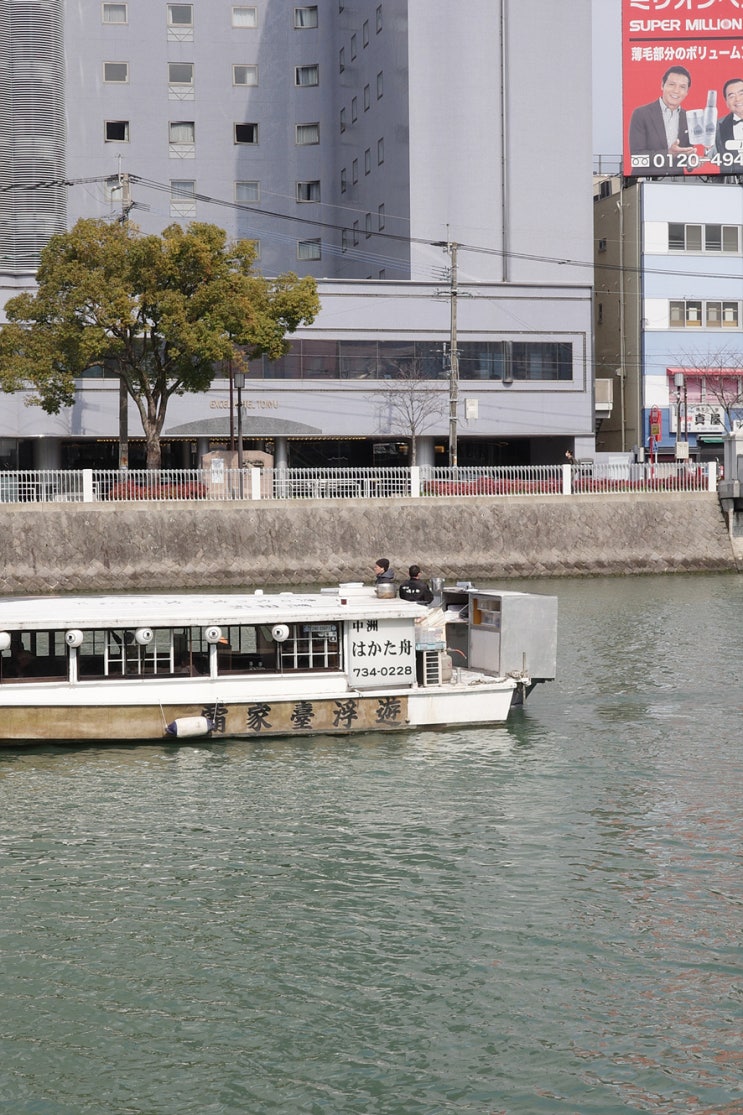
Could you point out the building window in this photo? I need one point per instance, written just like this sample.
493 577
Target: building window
602 244
367 161
354 109
353 47
181 132
355 172
355 232
344 239
244 17
704 238
307 134
247 193
180 15
115 13
180 73
309 249
343 120
308 191
117 131
244 75
368 225
379 18
306 75
380 152
380 217
341 60
365 33
692 314
344 180
305 17
367 98
380 85
116 72
182 199
246 133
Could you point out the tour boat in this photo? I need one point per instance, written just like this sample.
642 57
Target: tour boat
250 665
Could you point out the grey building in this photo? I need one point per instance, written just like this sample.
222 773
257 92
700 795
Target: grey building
353 141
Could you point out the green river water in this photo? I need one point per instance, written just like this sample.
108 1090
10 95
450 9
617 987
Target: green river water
542 918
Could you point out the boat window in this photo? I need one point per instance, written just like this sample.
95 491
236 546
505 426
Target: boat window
35 656
311 646
245 648
126 652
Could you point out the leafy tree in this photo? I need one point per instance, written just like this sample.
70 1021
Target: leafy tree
160 311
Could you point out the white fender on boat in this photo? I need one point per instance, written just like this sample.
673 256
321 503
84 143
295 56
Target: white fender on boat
4 640
143 636
74 638
190 726
279 632
213 634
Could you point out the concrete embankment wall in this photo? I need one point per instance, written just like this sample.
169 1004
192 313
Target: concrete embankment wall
119 547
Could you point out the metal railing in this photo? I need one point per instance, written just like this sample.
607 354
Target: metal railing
216 485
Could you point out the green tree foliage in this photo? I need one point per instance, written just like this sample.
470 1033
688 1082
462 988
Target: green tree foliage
160 311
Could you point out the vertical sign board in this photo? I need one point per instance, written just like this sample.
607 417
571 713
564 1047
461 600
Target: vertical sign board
381 653
682 81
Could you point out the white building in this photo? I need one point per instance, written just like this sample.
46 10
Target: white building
669 313
352 140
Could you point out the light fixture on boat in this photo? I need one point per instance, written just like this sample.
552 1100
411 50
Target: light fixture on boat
143 636
74 638
4 640
213 634
279 632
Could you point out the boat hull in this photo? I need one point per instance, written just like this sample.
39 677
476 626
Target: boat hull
240 718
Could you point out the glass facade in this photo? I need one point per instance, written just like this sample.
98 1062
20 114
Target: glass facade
390 360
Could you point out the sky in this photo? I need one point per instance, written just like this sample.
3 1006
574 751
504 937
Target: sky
607 77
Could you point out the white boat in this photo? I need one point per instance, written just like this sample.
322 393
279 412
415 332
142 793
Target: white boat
347 659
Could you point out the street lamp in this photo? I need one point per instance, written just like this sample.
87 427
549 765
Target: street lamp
239 381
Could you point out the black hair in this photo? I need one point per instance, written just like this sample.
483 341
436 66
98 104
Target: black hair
414 571
730 81
677 70
383 563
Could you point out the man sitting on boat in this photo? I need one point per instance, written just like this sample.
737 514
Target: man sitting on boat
414 589
383 575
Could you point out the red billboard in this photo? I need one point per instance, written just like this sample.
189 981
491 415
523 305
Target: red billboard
682 71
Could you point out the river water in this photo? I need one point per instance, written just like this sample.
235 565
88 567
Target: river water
543 918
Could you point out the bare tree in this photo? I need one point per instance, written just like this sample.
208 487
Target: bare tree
722 370
410 404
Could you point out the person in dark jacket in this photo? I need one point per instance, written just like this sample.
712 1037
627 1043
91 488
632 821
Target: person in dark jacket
414 589
382 572
658 132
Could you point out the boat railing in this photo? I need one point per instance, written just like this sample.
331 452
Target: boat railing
425 482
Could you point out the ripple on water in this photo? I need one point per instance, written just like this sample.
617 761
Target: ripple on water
538 918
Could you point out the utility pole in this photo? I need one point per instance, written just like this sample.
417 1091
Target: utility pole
451 248
123 393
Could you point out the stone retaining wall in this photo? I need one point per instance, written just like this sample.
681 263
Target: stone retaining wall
129 546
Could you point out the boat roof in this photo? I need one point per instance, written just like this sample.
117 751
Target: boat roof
34 613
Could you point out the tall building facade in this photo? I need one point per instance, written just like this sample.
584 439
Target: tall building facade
353 141
669 326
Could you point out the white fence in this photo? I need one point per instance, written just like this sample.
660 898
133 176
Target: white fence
586 478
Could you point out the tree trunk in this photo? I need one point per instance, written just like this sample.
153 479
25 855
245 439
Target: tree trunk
154 452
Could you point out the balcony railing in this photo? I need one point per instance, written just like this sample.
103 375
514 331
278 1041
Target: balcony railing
218 485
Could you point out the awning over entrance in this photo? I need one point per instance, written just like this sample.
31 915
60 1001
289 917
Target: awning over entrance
252 426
